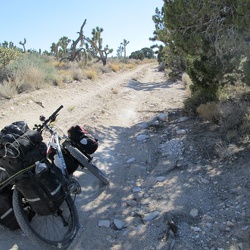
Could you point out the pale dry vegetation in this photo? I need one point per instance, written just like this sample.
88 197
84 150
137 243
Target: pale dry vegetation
231 112
33 71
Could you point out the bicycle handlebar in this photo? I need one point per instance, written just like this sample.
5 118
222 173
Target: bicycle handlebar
46 121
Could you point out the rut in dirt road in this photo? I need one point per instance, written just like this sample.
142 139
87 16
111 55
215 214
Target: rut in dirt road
115 214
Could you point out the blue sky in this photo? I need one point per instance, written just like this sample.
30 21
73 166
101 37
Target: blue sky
46 21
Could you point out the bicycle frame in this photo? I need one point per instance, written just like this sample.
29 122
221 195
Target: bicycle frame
54 142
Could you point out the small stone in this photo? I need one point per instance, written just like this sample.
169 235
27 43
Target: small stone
151 216
119 224
136 189
196 229
160 178
144 125
162 117
205 181
131 160
142 137
131 203
183 119
194 212
104 223
181 132
230 224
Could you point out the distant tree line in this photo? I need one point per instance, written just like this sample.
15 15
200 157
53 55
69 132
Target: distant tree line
143 53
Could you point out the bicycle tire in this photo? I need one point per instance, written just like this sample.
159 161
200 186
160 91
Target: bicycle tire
48 232
77 154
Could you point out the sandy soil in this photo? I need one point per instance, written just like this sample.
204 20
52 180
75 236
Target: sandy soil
169 190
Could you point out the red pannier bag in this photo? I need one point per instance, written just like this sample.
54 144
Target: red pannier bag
84 141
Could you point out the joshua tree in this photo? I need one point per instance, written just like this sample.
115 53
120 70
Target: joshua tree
96 48
124 44
23 44
63 42
74 51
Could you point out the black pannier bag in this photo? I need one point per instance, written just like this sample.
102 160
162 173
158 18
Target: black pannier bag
11 132
44 191
84 141
7 216
23 152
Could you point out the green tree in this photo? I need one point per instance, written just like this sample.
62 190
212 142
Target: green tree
211 35
139 55
148 53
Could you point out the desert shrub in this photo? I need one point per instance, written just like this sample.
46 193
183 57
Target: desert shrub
65 75
198 97
246 70
33 70
77 74
58 81
231 113
208 111
7 55
115 67
244 128
91 74
105 70
9 89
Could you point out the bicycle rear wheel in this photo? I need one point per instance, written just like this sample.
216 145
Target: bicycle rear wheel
51 231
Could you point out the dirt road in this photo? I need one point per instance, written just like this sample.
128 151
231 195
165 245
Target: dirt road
167 191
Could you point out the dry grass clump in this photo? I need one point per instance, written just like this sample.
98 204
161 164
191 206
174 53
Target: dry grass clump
65 75
91 74
34 78
105 70
208 111
232 116
78 74
8 89
115 67
231 113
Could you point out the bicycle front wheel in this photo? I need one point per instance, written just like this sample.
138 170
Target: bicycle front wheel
51 231
85 163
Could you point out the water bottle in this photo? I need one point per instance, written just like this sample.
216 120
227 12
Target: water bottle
40 167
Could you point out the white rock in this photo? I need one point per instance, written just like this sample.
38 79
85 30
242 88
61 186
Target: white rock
104 223
163 117
119 224
136 189
194 212
181 131
151 216
183 119
142 137
160 178
131 203
196 229
131 160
